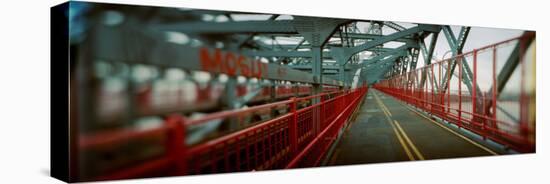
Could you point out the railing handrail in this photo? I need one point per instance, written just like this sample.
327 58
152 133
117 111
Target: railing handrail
178 152
479 115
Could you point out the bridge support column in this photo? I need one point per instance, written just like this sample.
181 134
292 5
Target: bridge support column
317 33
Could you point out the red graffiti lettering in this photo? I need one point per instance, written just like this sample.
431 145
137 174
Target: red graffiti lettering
208 63
242 62
230 63
230 60
258 71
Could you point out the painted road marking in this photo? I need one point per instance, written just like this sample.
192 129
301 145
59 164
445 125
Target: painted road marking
383 107
395 130
409 141
407 151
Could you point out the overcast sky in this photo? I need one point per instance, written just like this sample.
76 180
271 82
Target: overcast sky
478 37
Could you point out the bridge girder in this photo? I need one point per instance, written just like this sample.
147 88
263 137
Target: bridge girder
311 45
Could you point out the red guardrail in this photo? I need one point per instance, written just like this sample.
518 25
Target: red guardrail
299 138
507 117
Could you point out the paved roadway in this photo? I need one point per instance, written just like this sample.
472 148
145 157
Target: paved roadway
387 130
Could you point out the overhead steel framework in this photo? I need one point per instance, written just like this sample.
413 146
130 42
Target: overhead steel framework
324 50
218 45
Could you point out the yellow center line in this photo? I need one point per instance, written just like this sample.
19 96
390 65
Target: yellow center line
400 129
409 141
455 133
383 106
407 151
395 130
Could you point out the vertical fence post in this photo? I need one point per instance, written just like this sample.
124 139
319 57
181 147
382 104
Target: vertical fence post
403 86
415 90
293 127
522 99
176 148
474 99
448 88
495 89
460 91
433 81
341 102
321 124
401 89
420 88
426 87
441 108
408 88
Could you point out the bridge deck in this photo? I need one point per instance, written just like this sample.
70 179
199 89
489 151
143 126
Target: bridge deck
387 130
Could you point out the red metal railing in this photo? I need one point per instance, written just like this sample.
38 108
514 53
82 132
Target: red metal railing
502 117
299 138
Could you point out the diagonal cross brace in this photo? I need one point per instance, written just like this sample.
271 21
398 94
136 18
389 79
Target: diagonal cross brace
346 53
381 67
428 53
511 63
456 48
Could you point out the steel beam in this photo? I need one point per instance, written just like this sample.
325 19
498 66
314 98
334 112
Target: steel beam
343 54
248 27
414 54
357 36
512 62
394 26
384 61
375 72
291 54
346 53
456 46
317 32
381 59
294 47
325 67
134 47
374 36
249 37
399 51
427 54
